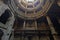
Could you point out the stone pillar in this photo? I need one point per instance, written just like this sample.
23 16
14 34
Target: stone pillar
53 32
12 35
36 25
24 25
58 2
37 38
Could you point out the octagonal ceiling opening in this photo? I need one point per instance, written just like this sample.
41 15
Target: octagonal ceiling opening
30 9
30 0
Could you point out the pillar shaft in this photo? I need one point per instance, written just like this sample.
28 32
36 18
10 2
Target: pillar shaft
53 32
